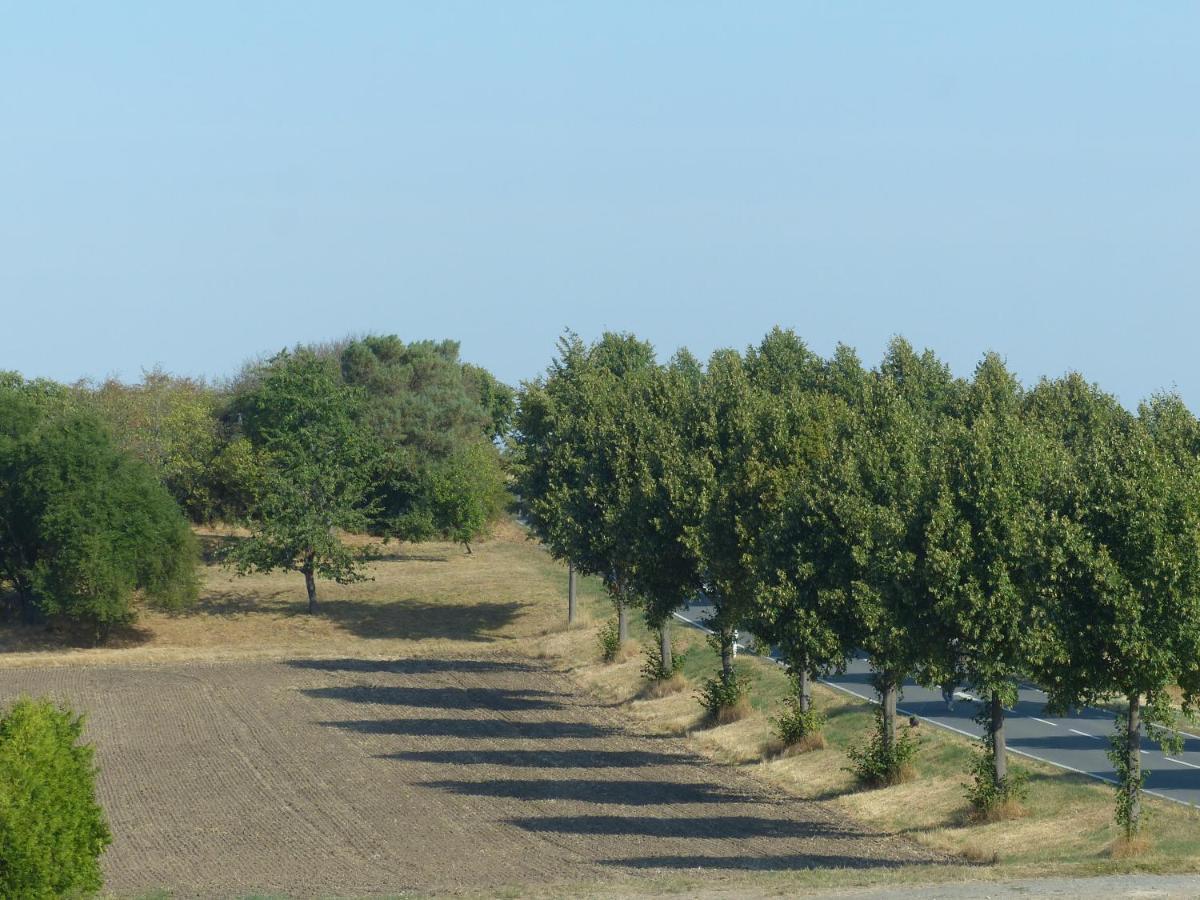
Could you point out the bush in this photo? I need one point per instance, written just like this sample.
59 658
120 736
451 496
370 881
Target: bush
653 668
797 727
991 800
52 831
720 694
610 641
878 764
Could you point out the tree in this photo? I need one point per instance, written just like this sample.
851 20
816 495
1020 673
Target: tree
467 492
566 445
656 474
878 490
309 431
798 606
52 831
988 540
83 526
172 425
1126 568
431 415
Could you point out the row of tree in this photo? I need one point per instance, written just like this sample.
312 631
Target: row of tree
956 530
98 482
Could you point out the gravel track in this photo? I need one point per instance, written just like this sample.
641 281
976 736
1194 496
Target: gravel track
357 778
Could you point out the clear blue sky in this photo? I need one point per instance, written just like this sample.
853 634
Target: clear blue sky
195 186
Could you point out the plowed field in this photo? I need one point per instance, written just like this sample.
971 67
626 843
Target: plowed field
351 777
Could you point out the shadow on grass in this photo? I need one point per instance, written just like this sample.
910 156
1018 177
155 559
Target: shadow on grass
385 619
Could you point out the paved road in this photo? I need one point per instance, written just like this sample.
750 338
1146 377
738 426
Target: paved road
1078 742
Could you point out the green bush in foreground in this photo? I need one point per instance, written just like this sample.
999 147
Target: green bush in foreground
52 831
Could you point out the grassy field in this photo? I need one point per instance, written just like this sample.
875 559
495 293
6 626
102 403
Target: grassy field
509 597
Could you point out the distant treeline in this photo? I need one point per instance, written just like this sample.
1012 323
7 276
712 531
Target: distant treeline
98 481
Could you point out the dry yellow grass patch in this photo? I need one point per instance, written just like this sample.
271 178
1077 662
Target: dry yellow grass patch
665 687
1130 847
428 598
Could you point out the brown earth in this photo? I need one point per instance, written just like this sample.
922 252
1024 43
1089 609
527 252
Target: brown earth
349 777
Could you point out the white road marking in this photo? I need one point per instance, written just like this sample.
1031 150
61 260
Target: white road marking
1044 722
1085 734
1180 761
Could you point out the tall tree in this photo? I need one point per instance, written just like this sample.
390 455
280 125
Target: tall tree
879 487
988 541
566 446
1126 599
800 565
309 431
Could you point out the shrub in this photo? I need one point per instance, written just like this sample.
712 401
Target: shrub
653 668
52 831
610 641
797 727
878 763
719 695
991 800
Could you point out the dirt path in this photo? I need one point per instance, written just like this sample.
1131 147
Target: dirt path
357 778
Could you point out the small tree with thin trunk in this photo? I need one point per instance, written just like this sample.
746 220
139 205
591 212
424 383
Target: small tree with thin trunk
307 428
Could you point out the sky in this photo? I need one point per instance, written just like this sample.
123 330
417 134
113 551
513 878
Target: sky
194 185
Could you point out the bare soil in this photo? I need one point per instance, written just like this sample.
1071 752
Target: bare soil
444 774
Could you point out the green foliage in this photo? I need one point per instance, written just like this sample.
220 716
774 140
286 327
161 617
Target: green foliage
172 425
435 471
881 762
609 638
308 432
797 724
467 492
85 527
653 668
52 831
723 691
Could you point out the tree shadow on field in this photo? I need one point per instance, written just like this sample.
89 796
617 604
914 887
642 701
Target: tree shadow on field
722 827
411 666
420 619
482 729
410 619
545 759
438 697
782 863
213 547
634 792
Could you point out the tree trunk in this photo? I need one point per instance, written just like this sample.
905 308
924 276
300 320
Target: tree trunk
889 698
804 689
999 744
664 638
570 595
1133 746
726 654
622 622
310 582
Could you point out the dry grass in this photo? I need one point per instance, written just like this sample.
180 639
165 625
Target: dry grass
775 748
1134 847
1002 812
664 687
733 712
429 598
